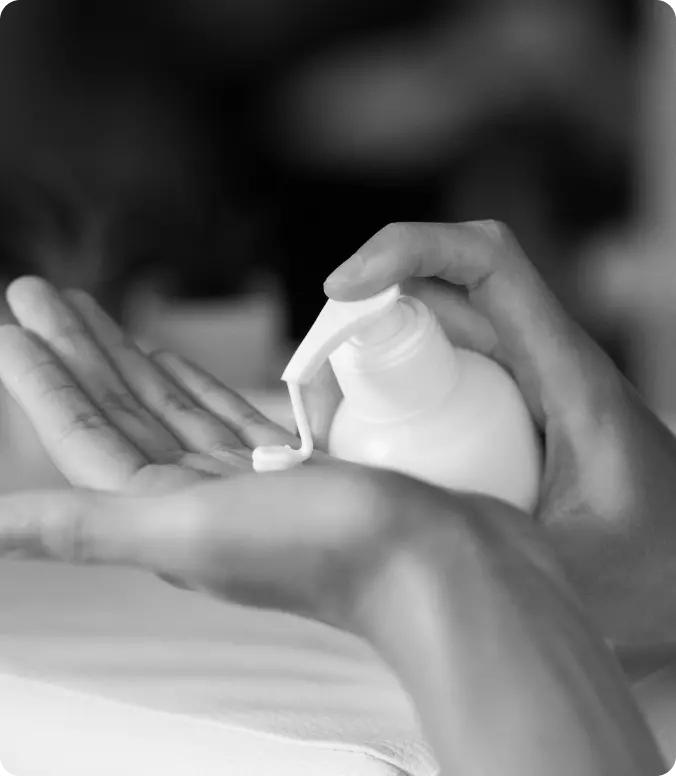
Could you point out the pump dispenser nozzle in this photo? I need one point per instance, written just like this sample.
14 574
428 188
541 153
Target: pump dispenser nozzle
337 323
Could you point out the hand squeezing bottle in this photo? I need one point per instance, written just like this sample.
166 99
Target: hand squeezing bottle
414 403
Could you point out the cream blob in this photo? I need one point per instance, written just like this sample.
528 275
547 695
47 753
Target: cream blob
281 457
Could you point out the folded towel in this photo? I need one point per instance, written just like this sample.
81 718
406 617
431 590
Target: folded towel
108 671
52 732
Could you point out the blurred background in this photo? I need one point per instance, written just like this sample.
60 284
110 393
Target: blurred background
201 166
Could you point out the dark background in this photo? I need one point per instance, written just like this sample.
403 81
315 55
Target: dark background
195 143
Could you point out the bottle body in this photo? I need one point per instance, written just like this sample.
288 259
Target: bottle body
479 438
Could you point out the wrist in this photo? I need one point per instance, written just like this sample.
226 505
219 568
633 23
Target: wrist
402 523
495 654
412 564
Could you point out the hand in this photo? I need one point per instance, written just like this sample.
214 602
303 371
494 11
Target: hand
609 488
458 593
116 419
415 570
112 417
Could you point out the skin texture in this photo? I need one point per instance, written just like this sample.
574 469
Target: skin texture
464 596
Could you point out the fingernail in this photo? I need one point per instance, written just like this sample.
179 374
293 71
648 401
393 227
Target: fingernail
349 272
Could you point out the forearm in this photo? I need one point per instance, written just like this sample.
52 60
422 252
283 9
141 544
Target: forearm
516 686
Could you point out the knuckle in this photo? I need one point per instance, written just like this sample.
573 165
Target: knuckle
237 457
249 417
41 367
69 539
369 495
395 231
205 392
83 422
497 230
113 402
173 401
204 387
220 450
13 337
12 330
201 417
498 233
502 245
68 336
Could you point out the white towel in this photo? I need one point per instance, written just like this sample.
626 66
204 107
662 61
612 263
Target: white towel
107 671
50 731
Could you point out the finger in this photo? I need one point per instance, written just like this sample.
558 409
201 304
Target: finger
258 539
39 308
558 367
322 398
242 418
76 527
82 527
197 430
84 445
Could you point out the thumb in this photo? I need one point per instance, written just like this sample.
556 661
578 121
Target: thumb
80 527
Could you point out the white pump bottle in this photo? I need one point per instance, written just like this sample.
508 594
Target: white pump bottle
414 403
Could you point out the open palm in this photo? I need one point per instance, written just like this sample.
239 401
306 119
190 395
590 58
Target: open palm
111 416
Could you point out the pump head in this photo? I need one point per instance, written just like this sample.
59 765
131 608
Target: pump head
337 323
